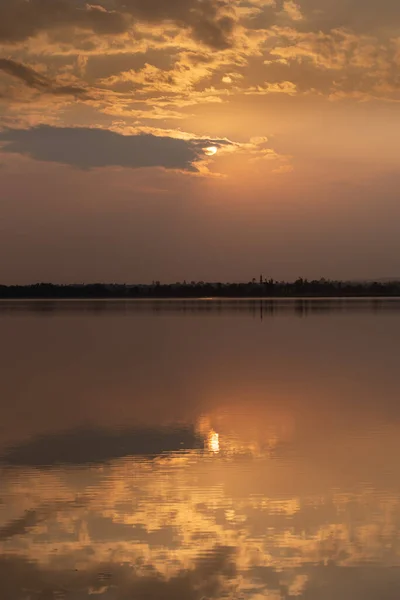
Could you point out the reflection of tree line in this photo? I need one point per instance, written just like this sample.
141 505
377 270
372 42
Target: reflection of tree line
301 288
256 307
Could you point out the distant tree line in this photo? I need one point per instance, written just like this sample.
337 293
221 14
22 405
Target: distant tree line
199 289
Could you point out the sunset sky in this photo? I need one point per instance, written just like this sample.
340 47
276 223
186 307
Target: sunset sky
210 140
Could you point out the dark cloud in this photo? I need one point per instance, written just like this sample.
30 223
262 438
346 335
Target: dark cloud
207 19
88 446
89 148
20 19
35 80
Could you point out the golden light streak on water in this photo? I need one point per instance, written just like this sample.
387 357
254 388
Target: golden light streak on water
213 441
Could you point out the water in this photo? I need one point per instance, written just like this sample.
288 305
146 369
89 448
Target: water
193 450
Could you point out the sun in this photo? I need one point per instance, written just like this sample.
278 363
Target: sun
210 150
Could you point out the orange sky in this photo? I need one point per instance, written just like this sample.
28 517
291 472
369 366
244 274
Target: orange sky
106 108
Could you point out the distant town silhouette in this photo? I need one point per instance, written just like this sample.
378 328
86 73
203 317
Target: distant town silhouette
256 288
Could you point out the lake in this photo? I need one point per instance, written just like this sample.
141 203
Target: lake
186 450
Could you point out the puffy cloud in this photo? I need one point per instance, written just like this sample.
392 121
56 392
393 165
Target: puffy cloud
89 148
292 10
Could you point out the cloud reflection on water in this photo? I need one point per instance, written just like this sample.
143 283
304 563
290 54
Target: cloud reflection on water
182 526
302 498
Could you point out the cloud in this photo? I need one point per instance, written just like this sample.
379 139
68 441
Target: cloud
359 15
20 20
89 148
281 87
210 21
339 64
292 10
159 68
35 80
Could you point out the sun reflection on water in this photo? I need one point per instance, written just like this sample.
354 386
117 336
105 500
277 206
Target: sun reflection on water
213 441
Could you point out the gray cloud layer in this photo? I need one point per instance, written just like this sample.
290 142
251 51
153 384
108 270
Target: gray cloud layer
35 80
89 148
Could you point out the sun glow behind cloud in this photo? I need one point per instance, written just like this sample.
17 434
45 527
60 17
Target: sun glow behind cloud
210 150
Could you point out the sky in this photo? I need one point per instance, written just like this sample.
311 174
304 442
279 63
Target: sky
190 140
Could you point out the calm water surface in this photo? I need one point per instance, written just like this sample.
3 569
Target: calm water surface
194 450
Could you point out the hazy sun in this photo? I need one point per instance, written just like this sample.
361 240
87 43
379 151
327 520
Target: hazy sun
211 150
